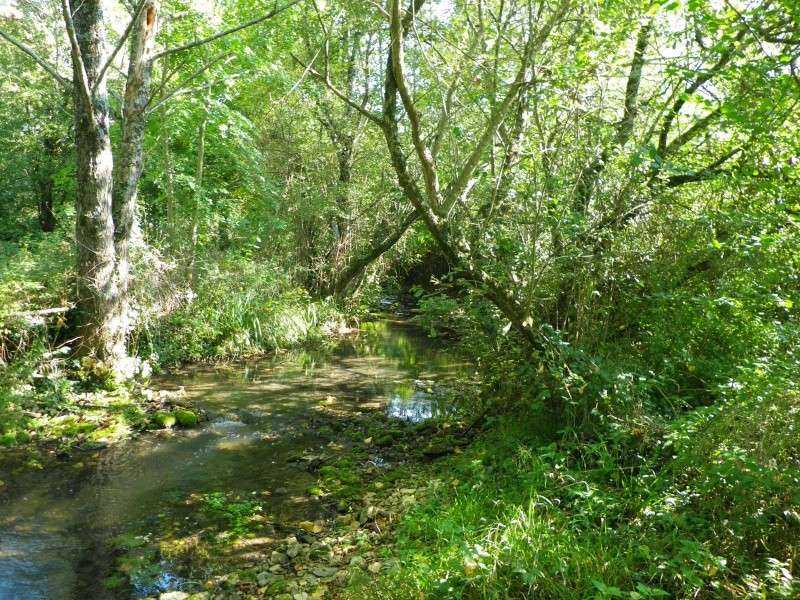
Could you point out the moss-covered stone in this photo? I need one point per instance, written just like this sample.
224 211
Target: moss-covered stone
164 420
384 440
186 418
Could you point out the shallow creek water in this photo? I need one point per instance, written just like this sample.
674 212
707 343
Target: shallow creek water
56 524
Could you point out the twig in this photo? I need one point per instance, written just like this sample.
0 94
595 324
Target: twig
51 69
222 34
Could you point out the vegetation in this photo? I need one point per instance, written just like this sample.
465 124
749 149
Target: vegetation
596 203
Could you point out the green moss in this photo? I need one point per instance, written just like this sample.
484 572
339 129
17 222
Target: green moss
164 420
9 440
315 490
186 418
114 582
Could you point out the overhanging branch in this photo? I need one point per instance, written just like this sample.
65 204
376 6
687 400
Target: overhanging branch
222 34
48 67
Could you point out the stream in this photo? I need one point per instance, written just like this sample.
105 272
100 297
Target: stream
56 524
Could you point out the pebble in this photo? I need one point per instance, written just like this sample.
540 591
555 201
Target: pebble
310 526
277 557
173 596
276 569
375 567
323 572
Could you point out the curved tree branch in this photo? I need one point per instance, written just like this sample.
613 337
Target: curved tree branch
222 34
48 67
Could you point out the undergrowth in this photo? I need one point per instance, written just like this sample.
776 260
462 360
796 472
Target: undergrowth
658 470
708 508
231 307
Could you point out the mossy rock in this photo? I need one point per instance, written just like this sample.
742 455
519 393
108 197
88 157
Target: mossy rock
384 440
186 418
164 420
315 490
436 449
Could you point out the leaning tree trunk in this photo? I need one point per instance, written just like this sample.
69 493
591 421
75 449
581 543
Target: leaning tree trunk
101 321
357 265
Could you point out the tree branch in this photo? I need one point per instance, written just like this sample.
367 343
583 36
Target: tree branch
120 43
377 119
78 66
695 85
426 159
181 87
48 67
708 172
202 42
456 187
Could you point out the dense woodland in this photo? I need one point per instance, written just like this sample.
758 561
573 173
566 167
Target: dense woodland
596 202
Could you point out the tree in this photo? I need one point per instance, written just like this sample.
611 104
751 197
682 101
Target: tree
106 201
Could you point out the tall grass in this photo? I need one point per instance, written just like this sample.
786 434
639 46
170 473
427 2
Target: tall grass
238 307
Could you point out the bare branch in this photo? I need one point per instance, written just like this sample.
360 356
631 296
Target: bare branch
120 44
461 182
48 67
424 154
222 34
444 118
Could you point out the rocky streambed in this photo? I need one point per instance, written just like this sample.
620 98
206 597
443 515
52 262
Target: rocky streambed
288 490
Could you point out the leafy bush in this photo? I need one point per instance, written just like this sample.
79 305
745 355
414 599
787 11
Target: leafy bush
239 308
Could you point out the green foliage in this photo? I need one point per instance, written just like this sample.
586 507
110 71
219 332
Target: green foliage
240 308
707 508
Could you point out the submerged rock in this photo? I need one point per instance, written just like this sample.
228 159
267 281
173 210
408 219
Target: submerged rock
174 596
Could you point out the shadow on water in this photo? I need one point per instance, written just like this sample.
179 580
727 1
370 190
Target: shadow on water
56 525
